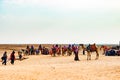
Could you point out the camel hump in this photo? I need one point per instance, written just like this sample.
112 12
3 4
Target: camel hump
93 47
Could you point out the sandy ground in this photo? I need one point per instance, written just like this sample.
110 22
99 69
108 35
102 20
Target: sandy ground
45 67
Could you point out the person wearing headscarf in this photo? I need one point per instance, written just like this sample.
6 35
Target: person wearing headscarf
4 58
12 57
76 58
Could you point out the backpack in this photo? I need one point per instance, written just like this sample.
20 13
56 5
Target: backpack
2 58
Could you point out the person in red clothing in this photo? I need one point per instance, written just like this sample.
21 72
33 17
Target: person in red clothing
12 57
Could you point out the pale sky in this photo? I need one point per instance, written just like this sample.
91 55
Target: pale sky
59 21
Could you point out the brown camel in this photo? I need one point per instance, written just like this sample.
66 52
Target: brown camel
89 49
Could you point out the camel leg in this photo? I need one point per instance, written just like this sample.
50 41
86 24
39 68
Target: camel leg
88 55
83 52
67 53
54 54
97 55
62 53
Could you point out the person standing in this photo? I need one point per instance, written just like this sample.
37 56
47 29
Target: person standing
4 58
12 57
76 58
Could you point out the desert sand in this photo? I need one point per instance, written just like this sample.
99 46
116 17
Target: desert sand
45 67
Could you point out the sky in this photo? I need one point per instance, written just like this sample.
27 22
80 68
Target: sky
59 21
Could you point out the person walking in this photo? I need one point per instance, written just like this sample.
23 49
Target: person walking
4 58
12 57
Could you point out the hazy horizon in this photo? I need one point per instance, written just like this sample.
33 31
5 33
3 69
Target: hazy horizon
59 21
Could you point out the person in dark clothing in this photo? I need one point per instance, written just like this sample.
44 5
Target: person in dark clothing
4 58
12 57
27 47
76 54
32 50
54 50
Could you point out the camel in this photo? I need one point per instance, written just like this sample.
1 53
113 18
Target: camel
104 48
23 51
89 49
64 50
45 51
55 50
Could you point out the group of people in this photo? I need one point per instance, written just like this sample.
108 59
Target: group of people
32 51
5 58
56 49
72 48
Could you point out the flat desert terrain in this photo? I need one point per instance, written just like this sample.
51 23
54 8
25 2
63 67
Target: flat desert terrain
46 67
